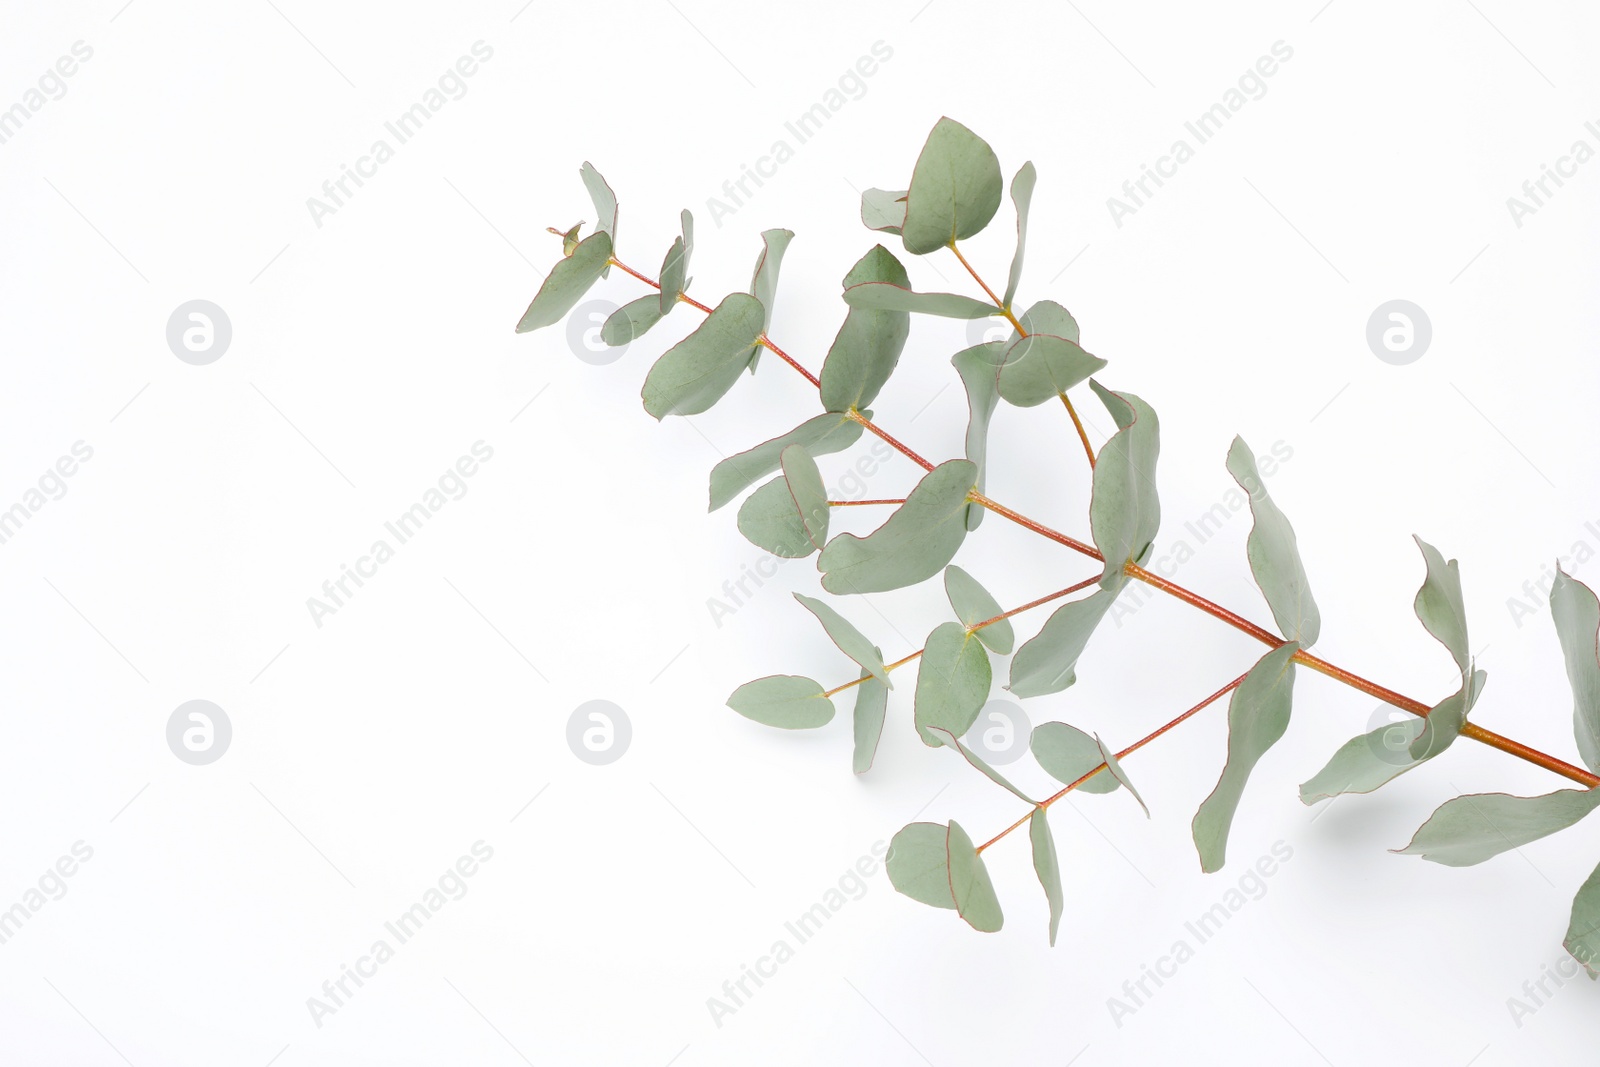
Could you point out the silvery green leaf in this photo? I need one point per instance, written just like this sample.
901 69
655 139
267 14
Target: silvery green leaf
1051 318
1439 605
953 682
631 321
1470 829
566 283
1446 718
1067 754
1110 760
788 516
764 279
914 543
970 885
675 268
886 296
1041 367
1583 930
1577 615
1021 195
605 206
978 367
1365 762
851 641
868 345
696 372
949 740
1274 554
1047 662
1124 510
955 189
1047 867
884 210
973 605
787 701
821 436
1258 715
919 863
569 240
872 702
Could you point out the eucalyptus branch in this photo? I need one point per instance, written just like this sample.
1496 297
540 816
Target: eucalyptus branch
955 190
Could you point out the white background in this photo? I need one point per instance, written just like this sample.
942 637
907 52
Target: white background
372 351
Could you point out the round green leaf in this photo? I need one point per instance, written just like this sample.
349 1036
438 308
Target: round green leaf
787 701
955 189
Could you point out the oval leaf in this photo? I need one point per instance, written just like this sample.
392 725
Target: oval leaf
821 436
851 641
1040 367
1274 554
788 516
868 345
1258 715
787 701
918 863
1577 615
973 605
1124 510
696 372
955 189
631 321
1048 662
1047 867
886 296
566 283
914 543
1067 754
970 885
872 702
1470 829
953 682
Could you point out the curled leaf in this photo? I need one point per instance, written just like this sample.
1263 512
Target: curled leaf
1274 554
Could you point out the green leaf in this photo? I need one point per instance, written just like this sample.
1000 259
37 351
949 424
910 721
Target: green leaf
1047 662
973 605
1577 615
1041 367
1470 829
851 641
884 210
1258 714
1439 605
675 268
764 279
1049 317
886 296
1067 754
955 189
970 885
566 283
978 369
787 701
953 682
631 321
1274 554
1583 930
1110 760
914 543
868 345
872 702
1446 718
821 436
949 740
605 206
1021 196
1047 867
918 863
569 240
1365 762
1124 510
788 516
696 372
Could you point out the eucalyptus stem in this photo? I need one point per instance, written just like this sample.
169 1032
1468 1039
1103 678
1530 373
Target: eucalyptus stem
1415 707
